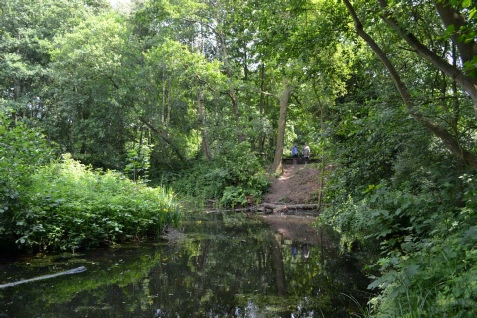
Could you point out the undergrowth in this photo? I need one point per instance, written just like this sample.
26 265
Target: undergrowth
233 179
428 248
73 206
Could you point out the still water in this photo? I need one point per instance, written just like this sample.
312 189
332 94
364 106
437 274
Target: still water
222 265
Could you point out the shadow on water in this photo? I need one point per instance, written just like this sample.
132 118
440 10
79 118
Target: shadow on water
224 265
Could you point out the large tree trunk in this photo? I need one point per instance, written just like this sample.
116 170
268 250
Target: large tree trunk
448 139
449 16
284 99
467 51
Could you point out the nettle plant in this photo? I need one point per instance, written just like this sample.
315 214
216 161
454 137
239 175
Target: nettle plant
73 206
22 151
428 246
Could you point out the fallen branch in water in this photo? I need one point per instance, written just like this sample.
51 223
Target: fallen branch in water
282 208
273 208
68 272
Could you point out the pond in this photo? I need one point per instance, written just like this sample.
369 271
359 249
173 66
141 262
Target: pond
220 265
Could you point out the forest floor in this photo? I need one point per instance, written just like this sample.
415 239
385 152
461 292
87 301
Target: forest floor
298 184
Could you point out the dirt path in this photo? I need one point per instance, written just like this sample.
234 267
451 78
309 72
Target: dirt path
299 184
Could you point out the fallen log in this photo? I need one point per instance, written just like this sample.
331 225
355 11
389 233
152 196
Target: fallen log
271 208
68 272
281 208
275 208
304 206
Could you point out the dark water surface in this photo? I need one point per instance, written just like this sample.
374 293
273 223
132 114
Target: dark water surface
224 265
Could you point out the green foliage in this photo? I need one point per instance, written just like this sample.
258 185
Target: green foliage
428 242
73 206
27 28
235 178
92 121
365 140
420 209
65 205
91 77
395 186
138 161
22 151
433 276
436 281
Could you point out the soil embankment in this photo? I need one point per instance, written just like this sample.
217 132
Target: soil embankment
298 184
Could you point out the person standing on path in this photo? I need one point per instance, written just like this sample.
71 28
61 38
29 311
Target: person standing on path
306 152
295 153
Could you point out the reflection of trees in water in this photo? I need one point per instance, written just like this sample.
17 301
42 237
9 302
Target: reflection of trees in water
328 279
222 267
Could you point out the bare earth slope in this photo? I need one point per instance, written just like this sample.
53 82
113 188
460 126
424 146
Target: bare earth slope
299 184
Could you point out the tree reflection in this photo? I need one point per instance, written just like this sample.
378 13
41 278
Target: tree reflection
227 265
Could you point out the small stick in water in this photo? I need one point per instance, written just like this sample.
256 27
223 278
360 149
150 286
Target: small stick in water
68 272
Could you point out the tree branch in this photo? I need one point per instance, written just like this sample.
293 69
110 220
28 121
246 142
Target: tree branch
467 83
161 133
449 140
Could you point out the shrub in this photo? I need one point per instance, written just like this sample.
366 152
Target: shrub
73 206
233 179
416 207
428 246
22 150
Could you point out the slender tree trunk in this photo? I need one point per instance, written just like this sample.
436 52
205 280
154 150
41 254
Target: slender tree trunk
205 139
231 93
284 99
163 102
236 113
323 163
168 105
261 106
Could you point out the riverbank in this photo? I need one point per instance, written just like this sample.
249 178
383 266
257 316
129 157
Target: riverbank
298 184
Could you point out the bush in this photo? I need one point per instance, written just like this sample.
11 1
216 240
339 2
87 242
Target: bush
400 189
428 246
22 151
233 179
66 206
73 206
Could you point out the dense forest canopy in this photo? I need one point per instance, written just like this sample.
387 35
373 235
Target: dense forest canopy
207 96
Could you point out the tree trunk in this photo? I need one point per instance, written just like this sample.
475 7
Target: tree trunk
235 109
449 140
261 107
449 16
467 83
163 135
203 130
284 99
